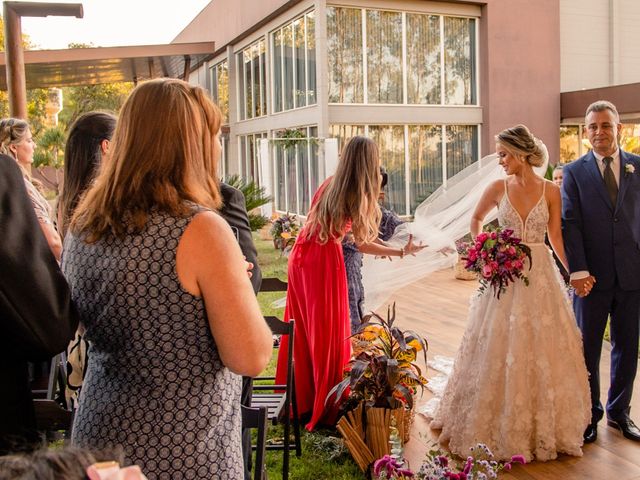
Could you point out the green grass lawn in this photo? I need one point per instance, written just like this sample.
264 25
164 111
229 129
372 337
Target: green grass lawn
323 453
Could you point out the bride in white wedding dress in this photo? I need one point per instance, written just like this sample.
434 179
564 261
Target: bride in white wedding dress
519 381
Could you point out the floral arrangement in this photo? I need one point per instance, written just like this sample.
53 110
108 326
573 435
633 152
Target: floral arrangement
284 229
382 372
498 257
479 465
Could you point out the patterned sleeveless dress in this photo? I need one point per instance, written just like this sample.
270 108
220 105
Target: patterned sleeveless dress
519 382
155 384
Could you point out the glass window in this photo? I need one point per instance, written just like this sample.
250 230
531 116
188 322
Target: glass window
311 58
425 162
436 46
300 62
459 61
249 153
390 141
248 83
462 147
220 88
288 67
277 71
344 53
418 170
296 165
281 190
294 64
384 57
344 132
225 166
423 59
252 101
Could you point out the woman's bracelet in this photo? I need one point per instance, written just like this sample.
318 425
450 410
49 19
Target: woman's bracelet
401 252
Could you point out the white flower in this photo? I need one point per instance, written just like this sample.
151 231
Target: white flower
629 168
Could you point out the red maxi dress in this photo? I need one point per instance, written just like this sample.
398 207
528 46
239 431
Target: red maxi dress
318 302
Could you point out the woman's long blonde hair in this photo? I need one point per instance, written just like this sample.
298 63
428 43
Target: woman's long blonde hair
162 154
351 195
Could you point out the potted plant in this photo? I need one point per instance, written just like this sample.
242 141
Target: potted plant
380 382
284 230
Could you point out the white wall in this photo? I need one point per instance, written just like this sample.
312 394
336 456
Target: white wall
599 44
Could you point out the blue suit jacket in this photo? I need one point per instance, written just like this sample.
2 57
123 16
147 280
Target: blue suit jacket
598 236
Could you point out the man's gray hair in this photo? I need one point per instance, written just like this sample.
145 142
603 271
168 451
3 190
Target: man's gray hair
601 106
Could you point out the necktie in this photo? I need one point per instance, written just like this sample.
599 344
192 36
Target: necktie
610 180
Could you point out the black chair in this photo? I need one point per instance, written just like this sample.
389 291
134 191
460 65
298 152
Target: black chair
52 413
256 417
280 399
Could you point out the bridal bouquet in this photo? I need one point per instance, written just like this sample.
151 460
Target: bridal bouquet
498 257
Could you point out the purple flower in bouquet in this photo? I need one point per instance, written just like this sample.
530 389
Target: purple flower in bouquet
499 258
391 467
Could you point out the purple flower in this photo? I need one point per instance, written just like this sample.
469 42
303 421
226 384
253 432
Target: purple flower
391 467
519 459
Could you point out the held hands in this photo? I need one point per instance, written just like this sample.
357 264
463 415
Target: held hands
583 286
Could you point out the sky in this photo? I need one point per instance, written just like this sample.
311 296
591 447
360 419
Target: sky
108 23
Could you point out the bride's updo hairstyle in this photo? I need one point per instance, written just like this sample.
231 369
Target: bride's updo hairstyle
520 141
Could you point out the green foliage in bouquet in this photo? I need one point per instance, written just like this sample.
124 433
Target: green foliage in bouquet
382 371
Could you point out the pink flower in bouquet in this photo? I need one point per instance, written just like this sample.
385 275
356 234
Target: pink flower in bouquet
487 271
499 259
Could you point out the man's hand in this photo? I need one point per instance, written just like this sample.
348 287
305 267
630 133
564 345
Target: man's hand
583 286
249 266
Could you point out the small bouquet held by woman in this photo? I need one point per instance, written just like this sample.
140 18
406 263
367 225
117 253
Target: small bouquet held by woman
499 258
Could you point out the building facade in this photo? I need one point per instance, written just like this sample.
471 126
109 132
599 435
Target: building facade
431 82
600 58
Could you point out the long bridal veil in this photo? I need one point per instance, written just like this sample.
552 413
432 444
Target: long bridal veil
438 222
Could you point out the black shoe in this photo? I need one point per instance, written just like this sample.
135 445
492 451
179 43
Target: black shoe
591 433
627 427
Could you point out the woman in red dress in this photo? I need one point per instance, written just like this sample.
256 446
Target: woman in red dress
317 296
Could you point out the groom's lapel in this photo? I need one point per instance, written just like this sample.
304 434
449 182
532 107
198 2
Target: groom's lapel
624 176
596 177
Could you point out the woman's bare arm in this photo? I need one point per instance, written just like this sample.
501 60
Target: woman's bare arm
210 264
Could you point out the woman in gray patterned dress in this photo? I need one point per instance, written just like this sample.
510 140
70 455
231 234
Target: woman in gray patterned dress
353 257
163 291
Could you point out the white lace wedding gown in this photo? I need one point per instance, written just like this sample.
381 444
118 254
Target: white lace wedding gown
519 382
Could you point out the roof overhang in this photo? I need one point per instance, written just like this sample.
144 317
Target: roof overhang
626 98
90 66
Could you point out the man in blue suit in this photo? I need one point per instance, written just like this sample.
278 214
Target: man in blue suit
601 230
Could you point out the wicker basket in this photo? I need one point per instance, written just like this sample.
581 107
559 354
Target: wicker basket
366 433
462 273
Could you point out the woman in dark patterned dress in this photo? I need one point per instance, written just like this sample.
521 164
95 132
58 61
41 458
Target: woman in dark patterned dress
163 291
353 257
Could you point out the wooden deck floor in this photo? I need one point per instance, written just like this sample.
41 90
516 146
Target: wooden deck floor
437 308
